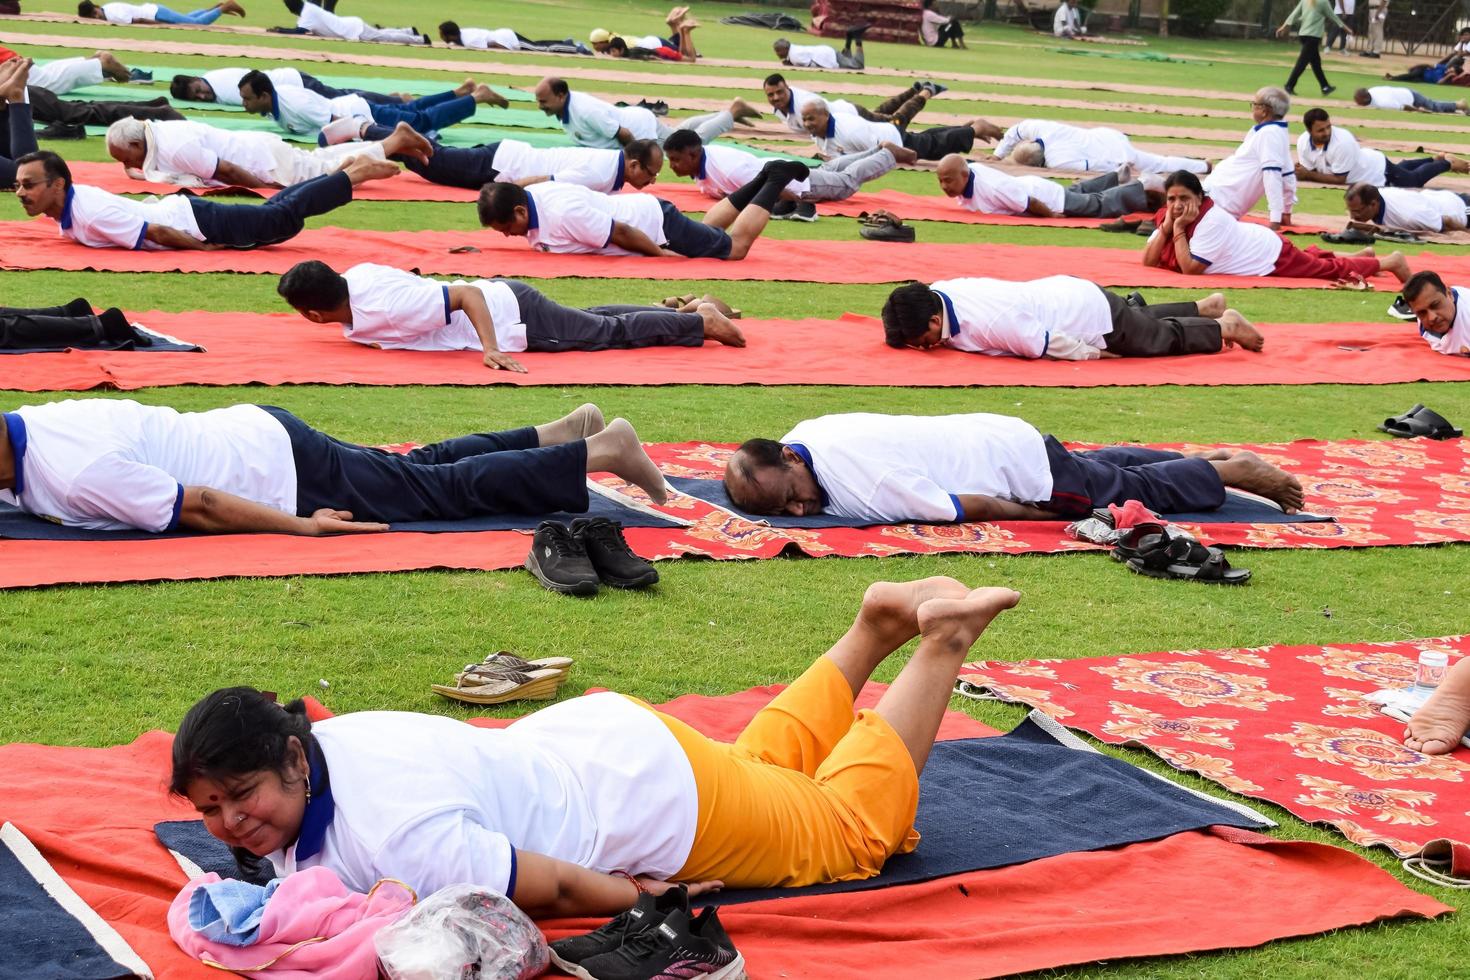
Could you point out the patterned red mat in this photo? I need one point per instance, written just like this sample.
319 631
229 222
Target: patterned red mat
1283 723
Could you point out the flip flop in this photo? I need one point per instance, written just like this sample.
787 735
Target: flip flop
505 659
1348 236
510 686
1124 225
1424 423
1402 418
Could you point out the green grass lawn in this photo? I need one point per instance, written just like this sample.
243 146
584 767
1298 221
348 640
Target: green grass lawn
90 665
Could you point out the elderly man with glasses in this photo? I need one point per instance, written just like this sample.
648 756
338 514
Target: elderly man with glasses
1260 165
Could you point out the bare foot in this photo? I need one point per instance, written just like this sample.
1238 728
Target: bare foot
1438 727
901 153
364 168
580 423
718 327
1236 329
407 142
616 450
1365 251
986 130
1212 306
1125 174
1396 264
1456 164
485 95
743 111
890 610
956 623
1213 454
1249 472
465 87
231 7
691 304
113 68
13 77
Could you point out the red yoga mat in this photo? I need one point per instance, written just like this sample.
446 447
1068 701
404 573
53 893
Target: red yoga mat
283 348
35 245
91 814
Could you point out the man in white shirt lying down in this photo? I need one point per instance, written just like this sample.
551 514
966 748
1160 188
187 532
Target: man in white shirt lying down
381 306
823 55
313 19
68 74
1402 209
111 464
976 187
1059 317
197 154
1058 146
892 469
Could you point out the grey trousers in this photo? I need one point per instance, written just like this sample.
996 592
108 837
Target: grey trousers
853 60
553 327
1161 330
842 177
709 126
1103 197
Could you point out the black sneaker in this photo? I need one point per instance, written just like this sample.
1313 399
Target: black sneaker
607 550
139 75
62 131
559 561
1400 310
782 210
676 949
1135 300
805 211
569 954
1328 89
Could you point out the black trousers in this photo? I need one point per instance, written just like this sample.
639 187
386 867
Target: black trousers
1161 330
553 327
470 476
280 218
1165 482
313 84
1311 54
452 166
47 107
938 142
17 138
52 328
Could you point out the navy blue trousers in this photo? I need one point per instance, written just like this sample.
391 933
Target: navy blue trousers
691 238
1413 173
313 84
427 115
470 476
1165 482
280 218
452 166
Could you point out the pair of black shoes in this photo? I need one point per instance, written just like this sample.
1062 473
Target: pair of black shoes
592 552
655 938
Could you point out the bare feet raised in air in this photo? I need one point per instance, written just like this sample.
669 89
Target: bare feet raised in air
986 130
113 68
1249 472
406 141
743 111
1212 306
580 423
1438 726
890 610
465 87
14 74
901 153
231 7
363 168
1236 329
616 450
1456 164
718 327
955 623
1396 264
485 95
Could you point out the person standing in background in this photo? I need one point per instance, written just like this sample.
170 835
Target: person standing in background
1310 17
1336 35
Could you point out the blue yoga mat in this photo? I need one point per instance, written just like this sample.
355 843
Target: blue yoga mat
20 526
189 838
1238 509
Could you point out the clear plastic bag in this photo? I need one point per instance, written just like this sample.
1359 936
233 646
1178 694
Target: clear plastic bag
463 932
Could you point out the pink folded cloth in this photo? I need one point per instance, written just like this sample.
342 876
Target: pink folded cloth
313 928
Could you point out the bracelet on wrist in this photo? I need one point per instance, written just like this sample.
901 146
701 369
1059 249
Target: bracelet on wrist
631 880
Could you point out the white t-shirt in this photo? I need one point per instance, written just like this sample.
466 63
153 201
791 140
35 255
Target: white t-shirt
1390 97
97 219
990 191
113 464
812 56
570 218
300 110
482 38
600 170
66 74
1260 165
184 147
323 23
397 310
589 121
894 468
1455 340
854 134
791 115
1411 209
725 169
1024 319
1069 147
1067 21
1233 248
126 13
598 781
226 82
1342 156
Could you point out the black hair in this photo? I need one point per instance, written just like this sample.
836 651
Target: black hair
1313 116
259 82
1185 179
780 40
54 167
498 202
313 285
295 6
87 8
235 731
775 78
1364 192
558 86
642 151
617 44
682 139
179 87
1418 281
906 313
449 31
753 454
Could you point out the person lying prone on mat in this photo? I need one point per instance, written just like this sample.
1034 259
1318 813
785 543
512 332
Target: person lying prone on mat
1402 209
385 307
1060 317
156 13
581 807
75 325
636 165
297 110
1058 146
1443 312
1444 719
198 154
719 170
567 218
223 86
108 464
892 469
94 218
976 187
1195 237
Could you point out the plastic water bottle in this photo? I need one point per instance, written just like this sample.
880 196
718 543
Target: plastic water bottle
1432 667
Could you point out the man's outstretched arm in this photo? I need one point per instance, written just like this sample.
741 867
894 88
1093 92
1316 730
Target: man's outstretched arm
979 507
214 511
